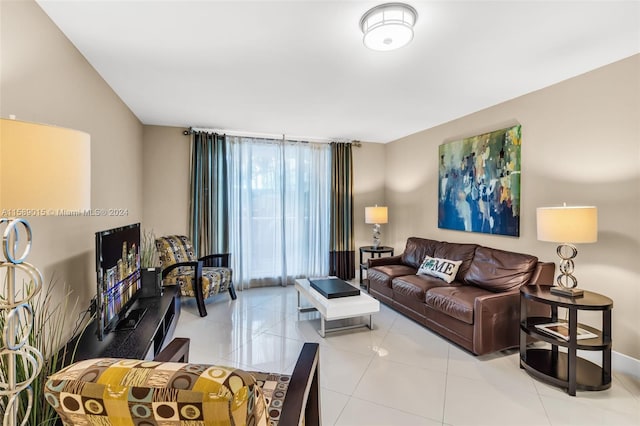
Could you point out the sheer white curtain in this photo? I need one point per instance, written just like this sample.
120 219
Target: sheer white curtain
278 210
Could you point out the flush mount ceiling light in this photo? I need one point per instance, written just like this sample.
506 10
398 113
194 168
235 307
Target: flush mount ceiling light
388 26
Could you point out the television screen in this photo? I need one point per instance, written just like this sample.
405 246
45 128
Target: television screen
118 274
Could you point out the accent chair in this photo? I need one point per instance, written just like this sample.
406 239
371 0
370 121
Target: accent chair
200 278
170 391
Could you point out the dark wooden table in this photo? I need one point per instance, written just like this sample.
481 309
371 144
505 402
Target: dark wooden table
566 369
372 251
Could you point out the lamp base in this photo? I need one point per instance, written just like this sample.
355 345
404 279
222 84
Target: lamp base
567 292
376 236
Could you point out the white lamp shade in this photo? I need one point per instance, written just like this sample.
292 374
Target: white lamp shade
43 168
388 26
568 224
376 215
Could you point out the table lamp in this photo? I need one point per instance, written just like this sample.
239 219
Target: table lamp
43 170
567 225
376 216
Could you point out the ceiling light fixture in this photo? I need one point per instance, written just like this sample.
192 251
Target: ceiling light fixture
388 26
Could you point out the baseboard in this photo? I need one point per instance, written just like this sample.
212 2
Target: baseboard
625 364
620 363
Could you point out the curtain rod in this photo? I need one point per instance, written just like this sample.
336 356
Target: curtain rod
273 136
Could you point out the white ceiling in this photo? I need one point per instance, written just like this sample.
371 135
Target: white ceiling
300 68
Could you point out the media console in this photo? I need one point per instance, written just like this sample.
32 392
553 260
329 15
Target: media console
145 341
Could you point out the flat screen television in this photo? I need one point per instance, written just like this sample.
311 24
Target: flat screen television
118 277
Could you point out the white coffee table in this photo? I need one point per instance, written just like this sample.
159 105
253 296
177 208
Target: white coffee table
338 308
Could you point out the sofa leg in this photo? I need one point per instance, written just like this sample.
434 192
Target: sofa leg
232 292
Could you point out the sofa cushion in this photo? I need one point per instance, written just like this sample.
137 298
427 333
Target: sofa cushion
454 251
385 273
499 270
415 286
455 301
416 250
444 269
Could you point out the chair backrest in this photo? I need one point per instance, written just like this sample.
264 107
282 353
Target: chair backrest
174 249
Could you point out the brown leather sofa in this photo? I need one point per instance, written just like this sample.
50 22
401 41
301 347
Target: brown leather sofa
479 310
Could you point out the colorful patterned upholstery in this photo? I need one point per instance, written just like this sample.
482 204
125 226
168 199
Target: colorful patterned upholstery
176 249
274 388
109 391
214 281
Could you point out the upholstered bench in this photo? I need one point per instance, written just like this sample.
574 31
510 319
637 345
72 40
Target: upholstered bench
108 391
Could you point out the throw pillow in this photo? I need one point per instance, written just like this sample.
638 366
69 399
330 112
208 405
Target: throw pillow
444 269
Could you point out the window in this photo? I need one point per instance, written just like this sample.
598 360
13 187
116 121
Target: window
278 210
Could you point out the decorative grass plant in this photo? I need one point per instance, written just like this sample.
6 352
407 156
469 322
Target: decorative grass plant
148 252
49 335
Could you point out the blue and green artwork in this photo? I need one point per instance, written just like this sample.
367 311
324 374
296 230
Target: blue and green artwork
479 181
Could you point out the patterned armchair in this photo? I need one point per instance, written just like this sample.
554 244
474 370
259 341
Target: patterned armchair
199 278
170 391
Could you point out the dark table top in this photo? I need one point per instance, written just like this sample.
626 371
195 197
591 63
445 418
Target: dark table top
589 301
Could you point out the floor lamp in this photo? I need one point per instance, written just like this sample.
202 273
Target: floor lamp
44 171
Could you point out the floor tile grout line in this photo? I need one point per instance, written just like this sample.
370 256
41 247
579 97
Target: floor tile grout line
404 364
394 408
342 410
544 407
446 383
363 374
460 376
564 397
618 380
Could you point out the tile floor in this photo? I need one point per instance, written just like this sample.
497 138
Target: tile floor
397 374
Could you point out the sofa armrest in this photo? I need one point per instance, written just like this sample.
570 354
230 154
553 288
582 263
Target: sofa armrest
176 351
379 261
496 319
543 274
302 402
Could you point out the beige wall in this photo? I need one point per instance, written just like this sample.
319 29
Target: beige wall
166 180
368 189
581 145
44 79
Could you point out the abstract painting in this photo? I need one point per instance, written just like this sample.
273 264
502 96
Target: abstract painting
479 183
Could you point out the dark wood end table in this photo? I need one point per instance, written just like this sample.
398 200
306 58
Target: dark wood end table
372 252
566 369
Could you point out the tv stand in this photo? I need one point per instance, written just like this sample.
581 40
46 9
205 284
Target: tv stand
131 320
154 330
